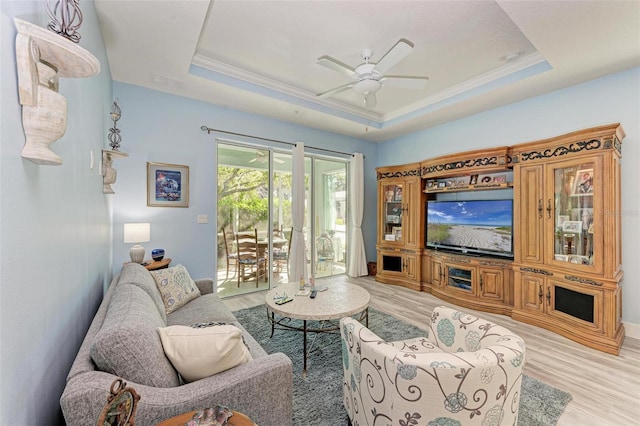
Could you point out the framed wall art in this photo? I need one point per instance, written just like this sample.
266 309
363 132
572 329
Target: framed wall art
167 185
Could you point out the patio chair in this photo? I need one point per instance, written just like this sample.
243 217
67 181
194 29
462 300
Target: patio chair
251 262
230 252
325 253
280 256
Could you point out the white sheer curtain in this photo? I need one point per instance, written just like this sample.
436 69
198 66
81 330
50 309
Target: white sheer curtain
297 255
357 255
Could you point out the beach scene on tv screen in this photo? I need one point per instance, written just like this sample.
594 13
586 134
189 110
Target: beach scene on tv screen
484 225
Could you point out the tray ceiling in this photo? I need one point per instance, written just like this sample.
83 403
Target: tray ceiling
261 56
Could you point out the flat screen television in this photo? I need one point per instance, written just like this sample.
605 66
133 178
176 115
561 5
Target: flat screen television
476 227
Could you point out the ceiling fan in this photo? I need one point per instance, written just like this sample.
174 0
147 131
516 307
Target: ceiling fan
263 157
369 77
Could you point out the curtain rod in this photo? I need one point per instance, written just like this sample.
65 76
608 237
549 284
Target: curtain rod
209 130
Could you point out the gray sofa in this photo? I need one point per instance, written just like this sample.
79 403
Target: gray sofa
123 337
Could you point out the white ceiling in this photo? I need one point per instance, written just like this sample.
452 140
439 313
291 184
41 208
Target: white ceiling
261 56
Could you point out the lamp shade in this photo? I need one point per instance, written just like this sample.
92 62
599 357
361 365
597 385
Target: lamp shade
137 232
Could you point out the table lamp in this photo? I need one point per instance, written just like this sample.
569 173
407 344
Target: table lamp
137 233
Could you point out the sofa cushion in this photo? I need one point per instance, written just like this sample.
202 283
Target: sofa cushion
128 344
202 352
176 287
136 274
206 308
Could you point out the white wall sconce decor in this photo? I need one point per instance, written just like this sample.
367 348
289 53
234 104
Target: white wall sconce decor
41 58
137 233
109 174
114 132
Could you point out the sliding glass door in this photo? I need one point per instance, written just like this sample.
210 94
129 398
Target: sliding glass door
330 218
243 205
281 217
254 193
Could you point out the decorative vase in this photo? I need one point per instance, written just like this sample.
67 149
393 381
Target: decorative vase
157 254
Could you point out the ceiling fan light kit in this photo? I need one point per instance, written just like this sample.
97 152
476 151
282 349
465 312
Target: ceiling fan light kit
367 86
369 77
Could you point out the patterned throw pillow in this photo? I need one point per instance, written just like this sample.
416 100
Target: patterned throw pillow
176 287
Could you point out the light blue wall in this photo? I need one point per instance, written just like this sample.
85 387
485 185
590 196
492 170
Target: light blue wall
55 245
612 99
163 128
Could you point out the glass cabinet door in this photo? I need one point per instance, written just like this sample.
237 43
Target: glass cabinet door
393 211
576 242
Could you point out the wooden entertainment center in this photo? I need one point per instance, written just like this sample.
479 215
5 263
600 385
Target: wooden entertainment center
565 269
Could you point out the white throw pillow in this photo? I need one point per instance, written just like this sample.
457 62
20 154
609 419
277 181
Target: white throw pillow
202 352
176 287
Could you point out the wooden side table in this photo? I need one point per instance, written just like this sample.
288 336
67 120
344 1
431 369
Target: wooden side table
160 264
238 419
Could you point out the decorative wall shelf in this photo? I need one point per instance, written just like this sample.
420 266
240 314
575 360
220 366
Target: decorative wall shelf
473 182
491 186
42 57
109 174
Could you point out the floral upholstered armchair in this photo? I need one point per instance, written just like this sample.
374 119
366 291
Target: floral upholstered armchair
468 371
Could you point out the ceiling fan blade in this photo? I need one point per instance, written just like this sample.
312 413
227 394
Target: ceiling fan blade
405 81
336 90
401 49
336 65
370 100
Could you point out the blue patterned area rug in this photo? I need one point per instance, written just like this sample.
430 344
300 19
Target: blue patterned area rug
317 399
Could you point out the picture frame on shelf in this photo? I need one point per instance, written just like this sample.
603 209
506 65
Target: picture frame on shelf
393 219
583 183
442 184
167 185
460 182
430 184
572 226
473 180
492 179
562 219
397 231
499 179
398 193
394 209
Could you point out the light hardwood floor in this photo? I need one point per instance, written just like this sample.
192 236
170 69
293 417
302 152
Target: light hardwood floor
605 388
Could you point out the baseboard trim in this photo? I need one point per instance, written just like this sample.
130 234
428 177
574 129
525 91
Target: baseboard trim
632 330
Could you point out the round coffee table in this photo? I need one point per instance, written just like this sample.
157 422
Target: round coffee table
338 301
